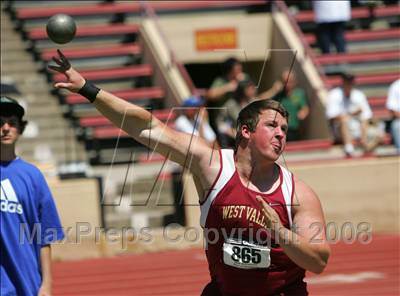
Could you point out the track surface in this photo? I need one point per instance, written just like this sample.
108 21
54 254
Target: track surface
354 269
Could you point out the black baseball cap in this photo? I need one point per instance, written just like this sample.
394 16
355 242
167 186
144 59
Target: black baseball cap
10 106
347 77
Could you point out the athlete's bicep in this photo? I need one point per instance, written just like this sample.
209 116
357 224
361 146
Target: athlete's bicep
308 217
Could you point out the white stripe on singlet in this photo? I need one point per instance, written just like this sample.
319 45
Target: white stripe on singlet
227 171
287 190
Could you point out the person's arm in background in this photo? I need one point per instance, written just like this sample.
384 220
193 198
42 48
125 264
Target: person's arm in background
305 109
303 113
219 89
273 91
45 263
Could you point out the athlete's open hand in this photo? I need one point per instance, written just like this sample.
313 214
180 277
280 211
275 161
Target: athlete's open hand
75 81
272 219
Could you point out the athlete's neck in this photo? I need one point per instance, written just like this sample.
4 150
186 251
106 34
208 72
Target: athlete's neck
7 153
262 176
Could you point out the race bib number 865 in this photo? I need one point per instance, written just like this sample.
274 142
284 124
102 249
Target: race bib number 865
245 255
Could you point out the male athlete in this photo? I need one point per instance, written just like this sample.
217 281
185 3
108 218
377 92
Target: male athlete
261 223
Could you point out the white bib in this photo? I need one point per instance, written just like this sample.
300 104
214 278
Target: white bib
245 255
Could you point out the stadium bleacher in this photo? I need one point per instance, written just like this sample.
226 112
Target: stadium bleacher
149 95
373 54
125 7
356 13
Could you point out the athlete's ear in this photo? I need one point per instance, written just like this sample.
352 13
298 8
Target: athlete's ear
245 132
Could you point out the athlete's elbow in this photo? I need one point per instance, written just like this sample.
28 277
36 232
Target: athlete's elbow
319 267
322 261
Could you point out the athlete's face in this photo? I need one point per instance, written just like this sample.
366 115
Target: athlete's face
269 137
10 129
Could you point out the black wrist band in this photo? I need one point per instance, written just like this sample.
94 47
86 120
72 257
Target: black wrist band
89 91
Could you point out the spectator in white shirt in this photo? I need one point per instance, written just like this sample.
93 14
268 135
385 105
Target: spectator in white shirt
331 18
393 105
349 112
194 120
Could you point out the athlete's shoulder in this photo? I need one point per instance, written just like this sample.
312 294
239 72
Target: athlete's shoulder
304 191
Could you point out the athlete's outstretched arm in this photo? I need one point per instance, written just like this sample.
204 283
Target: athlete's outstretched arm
306 244
141 125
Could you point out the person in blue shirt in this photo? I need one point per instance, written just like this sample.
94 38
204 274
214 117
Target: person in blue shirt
28 216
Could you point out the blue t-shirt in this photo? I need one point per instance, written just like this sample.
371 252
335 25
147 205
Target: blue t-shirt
29 221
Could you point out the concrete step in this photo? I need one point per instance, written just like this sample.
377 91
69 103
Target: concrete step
10 36
364 68
45 151
48 132
11 62
61 138
48 120
20 69
48 109
15 44
374 91
57 158
46 101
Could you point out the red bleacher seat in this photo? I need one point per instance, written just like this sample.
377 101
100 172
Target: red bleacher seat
129 95
370 79
112 73
338 58
166 115
363 35
381 113
376 102
378 106
110 132
127 7
356 13
45 12
89 31
94 52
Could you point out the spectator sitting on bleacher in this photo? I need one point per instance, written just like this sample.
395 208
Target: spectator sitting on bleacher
393 105
295 101
331 18
194 120
223 88
349 112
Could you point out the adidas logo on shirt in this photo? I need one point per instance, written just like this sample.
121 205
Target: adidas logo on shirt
8 198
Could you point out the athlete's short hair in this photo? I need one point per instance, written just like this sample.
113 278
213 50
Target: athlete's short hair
249 115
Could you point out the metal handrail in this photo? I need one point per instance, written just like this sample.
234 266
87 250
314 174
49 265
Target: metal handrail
150 12
281 6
